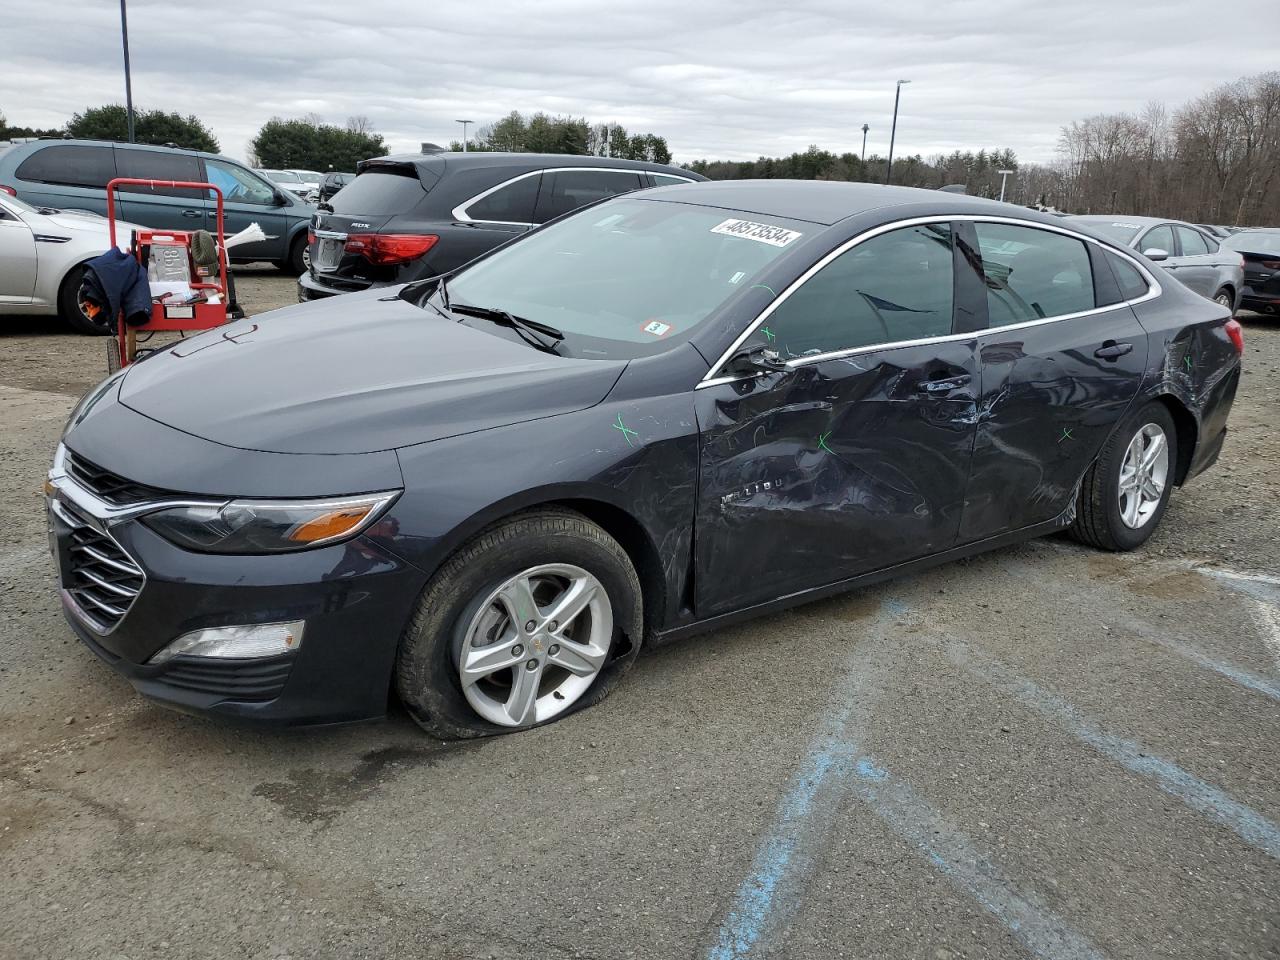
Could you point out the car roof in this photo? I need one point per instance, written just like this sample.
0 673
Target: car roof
484 159
830 201
1125 218
34 145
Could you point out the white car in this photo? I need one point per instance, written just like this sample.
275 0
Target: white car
310 181
288 180
42 253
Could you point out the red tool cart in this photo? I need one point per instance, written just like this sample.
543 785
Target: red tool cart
170 250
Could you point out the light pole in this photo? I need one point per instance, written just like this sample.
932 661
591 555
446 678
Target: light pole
893 132
128 82
865 128
464 132
1004 177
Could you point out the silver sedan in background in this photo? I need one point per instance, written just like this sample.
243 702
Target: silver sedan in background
42 257
1189 254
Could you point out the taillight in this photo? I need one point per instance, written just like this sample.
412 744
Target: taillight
1271 264
8 189
1236 333
311 237
385 249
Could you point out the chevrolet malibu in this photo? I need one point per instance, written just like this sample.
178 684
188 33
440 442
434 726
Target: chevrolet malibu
671 410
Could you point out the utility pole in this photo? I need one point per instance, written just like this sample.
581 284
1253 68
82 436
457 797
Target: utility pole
128 82
865 128
464 128
1004 177
893 132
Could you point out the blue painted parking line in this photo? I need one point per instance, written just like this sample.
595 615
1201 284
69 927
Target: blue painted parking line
1252 827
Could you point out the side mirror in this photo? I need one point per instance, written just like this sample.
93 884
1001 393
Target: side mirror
1156 254
281 199
753 361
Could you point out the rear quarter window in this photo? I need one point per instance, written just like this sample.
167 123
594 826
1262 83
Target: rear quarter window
1132 284
72 165
380 192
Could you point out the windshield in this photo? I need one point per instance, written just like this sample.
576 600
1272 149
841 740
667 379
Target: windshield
21 206
307 175
1117 230
1256 242
283 176
627 277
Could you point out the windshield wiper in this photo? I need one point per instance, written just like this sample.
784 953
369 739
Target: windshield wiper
540 335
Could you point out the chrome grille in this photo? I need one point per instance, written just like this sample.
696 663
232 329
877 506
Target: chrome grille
109 486
102 579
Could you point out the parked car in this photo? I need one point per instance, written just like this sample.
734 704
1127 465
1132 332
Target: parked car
1190 255
1261 252
310 180
286 180
73 174
413 216
330 184
42 255
484 492
1219 233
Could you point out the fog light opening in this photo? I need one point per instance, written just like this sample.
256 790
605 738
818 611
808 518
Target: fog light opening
246 642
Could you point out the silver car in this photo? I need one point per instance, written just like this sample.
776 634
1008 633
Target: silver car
42 255
1189 254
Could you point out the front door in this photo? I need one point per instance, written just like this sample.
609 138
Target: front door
856 457
248 199
17 259
1058 372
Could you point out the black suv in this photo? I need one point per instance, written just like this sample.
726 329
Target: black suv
418 215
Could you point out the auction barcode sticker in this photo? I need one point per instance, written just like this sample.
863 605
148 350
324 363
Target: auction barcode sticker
763 232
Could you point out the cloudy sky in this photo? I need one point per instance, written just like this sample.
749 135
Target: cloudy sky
729 80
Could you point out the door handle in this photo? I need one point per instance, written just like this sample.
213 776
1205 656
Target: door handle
192 213
1112 350
944 384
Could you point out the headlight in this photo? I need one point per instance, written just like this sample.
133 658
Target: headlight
267 526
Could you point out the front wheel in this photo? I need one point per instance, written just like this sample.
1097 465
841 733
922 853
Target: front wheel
1126 491
70 312
537 617
299 259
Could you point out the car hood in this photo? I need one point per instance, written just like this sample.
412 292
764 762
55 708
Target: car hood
354 374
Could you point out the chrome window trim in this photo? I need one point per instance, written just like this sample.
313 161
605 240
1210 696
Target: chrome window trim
714 377
460 211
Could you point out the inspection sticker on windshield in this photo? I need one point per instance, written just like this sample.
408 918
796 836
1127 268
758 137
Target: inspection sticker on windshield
763 232
656 328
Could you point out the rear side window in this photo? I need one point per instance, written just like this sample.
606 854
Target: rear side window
380 192
565 190
511 203
1132 284
71 165
1161 238
159 165
1193 242
1033 274
891 288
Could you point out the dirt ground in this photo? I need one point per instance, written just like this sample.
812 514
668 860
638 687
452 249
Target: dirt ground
1044 751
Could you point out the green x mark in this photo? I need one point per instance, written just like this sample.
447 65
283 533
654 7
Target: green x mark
1187 360
769 334
627 432
1066 435
822 442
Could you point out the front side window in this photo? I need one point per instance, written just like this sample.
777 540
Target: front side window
238 185
892 288
1193 242
71 165
512 203
1159 238
1032 274
629 277
565 190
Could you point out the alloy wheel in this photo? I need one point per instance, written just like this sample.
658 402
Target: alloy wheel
535 645
1144 473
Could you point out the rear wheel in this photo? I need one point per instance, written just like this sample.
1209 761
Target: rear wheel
537 617
1226 298
1125 493
69 307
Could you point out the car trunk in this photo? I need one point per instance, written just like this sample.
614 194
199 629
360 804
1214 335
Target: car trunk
349 250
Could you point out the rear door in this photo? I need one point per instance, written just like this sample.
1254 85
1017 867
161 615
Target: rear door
1061 361
162 208
566 190
1196 263
247 199
856 456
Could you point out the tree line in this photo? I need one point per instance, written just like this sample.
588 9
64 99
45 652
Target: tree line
572 135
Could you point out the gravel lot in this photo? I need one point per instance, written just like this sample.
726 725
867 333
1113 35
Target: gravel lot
1045 751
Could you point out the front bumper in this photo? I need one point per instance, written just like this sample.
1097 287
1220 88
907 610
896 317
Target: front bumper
355 598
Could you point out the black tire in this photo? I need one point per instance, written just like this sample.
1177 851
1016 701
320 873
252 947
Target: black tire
1098 522
426 663
1225 298
69 307
296 263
